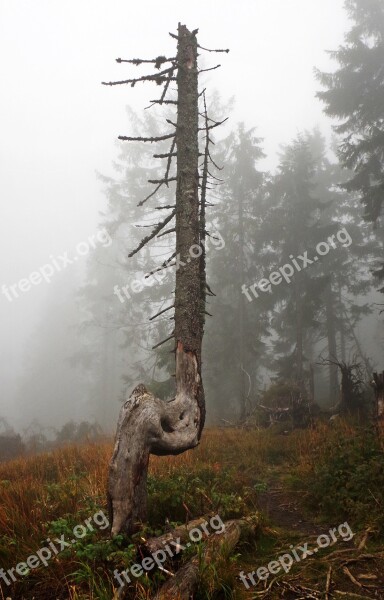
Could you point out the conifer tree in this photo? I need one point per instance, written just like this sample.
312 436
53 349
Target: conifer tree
354 95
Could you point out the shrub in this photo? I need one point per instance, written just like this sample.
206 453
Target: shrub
347 480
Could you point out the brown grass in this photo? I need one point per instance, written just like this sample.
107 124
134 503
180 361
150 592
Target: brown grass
69 481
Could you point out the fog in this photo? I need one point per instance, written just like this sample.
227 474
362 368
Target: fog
59 128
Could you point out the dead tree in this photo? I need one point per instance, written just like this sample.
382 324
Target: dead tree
148 425
378 386
351 392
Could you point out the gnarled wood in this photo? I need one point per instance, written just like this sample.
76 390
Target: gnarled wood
148 425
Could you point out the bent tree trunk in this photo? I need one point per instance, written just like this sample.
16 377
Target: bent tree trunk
148 425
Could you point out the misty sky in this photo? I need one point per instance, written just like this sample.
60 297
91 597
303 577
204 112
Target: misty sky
59 125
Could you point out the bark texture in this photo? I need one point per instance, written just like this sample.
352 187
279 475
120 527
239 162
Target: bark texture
148 425
188 323
183 585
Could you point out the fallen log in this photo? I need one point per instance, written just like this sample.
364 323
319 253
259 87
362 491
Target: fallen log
179 533
184 583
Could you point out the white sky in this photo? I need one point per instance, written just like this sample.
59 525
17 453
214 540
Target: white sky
58 124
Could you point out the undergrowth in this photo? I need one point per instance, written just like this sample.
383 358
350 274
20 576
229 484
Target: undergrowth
340 471
347 478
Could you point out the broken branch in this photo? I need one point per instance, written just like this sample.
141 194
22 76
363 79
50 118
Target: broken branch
154 233
162 312
167 232
209 50
139 61
159 138
157 77
210 69
163 342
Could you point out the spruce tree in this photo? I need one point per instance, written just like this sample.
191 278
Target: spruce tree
354 95
234 342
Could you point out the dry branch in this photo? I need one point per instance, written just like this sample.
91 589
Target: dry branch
328 583
216 124
150 195
165 155
210 69
163 341
163 101
169 161
157 77
352 578
167 232
165 90
139 61
153 234
165 265
209 50
159 138
165 180
214 164
162 312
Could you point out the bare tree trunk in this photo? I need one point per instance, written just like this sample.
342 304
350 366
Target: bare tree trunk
378 382
311 384
332 344
148 425
343 349
299 333
241 304
363 357
188 322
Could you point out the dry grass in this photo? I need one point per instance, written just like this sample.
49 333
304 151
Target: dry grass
69 483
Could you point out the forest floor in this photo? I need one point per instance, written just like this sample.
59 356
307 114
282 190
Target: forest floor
347 569
283 482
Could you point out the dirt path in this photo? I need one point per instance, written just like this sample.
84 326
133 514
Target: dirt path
354 573
283 508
